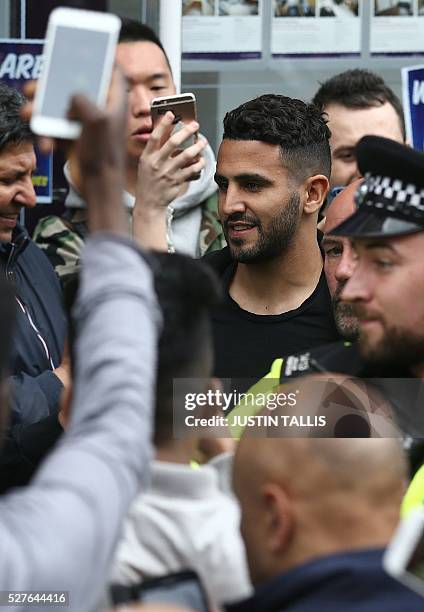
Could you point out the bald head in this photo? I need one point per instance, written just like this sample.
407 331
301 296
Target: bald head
341 207
340 259
297 495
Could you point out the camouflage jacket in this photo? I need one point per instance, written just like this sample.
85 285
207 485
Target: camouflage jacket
62 238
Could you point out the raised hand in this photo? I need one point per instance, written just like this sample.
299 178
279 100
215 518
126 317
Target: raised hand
163 173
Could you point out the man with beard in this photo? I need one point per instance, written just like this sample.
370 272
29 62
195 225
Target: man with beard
385 285
340 260
386 288
272 174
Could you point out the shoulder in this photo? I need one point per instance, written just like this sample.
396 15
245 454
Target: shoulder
340 356
61 242
219 260
56 229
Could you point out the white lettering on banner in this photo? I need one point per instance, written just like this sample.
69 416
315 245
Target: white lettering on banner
418 93
38 64
23 66
25 63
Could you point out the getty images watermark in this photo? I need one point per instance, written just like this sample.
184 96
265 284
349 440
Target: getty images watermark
266 402
304 407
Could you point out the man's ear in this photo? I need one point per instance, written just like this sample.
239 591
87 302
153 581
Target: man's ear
316 189
278 517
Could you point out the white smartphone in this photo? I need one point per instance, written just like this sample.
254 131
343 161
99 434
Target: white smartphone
404 557
79 54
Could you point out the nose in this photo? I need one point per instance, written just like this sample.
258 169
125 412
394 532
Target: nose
355 174
25 195
140 99
358 287
230 201
347 263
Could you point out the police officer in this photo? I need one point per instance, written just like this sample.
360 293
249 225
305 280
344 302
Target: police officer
386 288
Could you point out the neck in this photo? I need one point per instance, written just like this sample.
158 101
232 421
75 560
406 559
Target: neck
365 541
131 171
281 284
344 534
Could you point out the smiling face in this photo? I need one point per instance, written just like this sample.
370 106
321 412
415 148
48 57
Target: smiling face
258 206
146 69
387 292
348 126
17 164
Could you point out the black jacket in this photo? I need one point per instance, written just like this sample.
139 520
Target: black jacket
353 581
39 333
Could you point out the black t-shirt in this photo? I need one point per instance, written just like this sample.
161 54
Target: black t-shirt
246 344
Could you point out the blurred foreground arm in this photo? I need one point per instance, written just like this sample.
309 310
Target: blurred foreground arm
60 532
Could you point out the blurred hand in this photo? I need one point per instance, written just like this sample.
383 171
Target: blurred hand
102 142
212 446
101 154
63 371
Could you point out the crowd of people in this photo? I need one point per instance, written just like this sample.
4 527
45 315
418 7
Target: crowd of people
291 265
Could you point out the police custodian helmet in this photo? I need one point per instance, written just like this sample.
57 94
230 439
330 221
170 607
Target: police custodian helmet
390 200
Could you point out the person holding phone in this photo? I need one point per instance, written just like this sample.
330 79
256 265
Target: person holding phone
38 371
193 221
58 533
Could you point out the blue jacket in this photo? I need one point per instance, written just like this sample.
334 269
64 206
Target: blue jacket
40 330
347 582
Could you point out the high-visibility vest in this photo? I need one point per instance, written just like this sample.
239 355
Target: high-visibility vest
414 496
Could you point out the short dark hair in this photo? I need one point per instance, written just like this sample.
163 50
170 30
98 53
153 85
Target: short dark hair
186 290
12 128
298 128
358 89
135 31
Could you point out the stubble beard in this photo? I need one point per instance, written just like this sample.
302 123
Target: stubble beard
399 348
344 316
272 243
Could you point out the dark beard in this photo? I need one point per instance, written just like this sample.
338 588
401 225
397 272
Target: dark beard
399 350
344 315
271 243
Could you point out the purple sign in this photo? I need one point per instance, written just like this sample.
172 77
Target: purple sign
21 61
413 104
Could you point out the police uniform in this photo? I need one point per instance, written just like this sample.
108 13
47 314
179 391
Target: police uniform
390 202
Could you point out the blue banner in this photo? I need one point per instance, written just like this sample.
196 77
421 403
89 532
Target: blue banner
21 61
413 104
